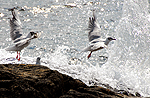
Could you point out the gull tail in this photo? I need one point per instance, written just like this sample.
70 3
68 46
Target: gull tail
87 49
13 48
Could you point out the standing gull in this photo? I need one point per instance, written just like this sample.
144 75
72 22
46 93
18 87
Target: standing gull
95 40
38 61
18 39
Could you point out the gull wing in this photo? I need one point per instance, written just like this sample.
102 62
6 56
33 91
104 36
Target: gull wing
87 48
94 28
15 26
23 42
97 46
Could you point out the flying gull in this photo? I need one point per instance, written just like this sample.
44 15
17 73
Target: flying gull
16 35
95 40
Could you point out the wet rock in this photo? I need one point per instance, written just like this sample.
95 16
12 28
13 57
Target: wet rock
138 94
70 5
22 9
36 81
89 3
92 92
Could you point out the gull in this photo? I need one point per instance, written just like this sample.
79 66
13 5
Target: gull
16 35
38 61
95 40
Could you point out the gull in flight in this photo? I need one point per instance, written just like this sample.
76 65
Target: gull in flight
95 40
18 39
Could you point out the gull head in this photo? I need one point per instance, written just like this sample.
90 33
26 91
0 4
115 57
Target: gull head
110 38
35 35
38 60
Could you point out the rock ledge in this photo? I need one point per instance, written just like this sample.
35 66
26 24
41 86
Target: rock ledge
37 81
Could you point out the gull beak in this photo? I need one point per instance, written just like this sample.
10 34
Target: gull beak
113 39
38 34
35 35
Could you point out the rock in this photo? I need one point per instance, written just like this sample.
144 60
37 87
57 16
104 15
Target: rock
93 92
36 81
137 94
71 5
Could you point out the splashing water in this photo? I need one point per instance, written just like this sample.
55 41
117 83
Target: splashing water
131 56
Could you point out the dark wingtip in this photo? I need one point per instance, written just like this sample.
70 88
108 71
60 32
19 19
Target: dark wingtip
94 14
93 10
13 12
93 18
12 9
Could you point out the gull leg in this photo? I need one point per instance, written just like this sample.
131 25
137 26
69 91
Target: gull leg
89 55
17 55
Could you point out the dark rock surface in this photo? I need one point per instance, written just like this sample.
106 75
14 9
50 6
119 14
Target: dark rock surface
37 81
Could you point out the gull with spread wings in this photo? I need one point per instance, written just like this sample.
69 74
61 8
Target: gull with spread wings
16 35
95 40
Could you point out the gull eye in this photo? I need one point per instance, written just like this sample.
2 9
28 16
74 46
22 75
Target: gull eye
109 38
32 33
